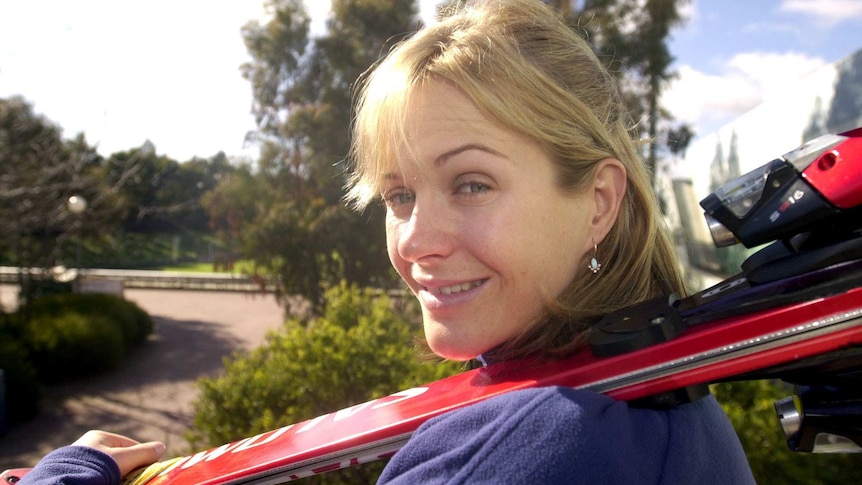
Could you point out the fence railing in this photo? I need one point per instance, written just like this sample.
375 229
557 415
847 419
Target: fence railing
148 278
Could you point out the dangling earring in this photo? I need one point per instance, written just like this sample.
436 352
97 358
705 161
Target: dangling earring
594 265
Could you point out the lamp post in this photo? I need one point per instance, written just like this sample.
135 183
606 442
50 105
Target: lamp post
77 205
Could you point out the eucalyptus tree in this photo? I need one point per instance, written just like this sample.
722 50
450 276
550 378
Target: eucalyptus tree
302 87
631 36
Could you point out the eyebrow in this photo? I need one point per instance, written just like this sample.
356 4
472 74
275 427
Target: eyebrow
443 158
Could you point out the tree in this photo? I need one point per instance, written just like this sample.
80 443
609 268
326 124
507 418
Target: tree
302 87
654 60
201 175
631 35
234 204
39 171
160 194
679 138
301 232
133 190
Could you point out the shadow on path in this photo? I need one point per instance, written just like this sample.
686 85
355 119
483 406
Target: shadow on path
150 397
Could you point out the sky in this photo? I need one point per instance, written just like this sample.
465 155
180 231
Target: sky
126 71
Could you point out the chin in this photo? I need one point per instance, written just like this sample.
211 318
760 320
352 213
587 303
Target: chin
452 350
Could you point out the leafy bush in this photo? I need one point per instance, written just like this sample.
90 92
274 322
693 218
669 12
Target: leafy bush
135 324
360 349
750 408
72 335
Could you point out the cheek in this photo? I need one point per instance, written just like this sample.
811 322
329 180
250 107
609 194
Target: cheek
557 245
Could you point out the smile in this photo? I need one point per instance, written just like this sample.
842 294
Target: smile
450 290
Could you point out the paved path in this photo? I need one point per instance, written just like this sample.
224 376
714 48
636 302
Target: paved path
150 397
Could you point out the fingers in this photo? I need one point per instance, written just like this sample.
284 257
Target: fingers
131 457
95 438
126 452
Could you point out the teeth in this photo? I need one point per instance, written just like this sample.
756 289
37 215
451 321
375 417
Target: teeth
448 290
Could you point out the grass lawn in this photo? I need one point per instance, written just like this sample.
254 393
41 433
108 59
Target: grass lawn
244 267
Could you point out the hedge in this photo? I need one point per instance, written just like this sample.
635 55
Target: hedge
75 335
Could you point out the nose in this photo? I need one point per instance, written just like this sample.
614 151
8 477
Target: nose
427 232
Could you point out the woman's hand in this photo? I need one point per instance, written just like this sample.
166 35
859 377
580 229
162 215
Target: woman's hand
128 453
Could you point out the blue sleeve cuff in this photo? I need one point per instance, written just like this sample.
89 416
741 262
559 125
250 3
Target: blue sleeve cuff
74 465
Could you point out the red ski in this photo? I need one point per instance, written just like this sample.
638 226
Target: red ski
795 312
376 429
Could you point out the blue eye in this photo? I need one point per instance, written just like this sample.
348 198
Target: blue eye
398 197
473 188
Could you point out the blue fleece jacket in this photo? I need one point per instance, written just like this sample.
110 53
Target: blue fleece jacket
74 465
559 435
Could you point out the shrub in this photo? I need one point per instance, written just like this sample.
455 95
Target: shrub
134 323
72 345
360 349
71 335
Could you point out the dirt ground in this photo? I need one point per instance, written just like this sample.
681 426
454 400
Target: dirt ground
150 397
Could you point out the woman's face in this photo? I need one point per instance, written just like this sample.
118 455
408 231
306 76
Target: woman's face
478 227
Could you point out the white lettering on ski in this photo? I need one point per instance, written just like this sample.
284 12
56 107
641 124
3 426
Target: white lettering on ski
252 442
402 395
248 443
376 404
241 445
209 455
348 412
314 422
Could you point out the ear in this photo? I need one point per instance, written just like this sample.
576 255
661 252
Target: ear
609 187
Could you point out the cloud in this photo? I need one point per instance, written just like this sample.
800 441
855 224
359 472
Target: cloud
826 12
708 101
126 72
773 71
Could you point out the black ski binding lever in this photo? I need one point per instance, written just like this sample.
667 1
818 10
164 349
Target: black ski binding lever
637 327
640 326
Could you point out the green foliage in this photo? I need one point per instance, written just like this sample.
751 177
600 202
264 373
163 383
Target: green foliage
144 250
288 216
360 349
239 267
134 323
38 173
160 194
71 335
749 405
131 191
631 36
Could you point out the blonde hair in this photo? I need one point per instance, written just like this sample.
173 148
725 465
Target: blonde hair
524 68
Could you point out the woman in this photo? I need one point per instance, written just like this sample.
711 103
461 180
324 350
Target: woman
518 213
